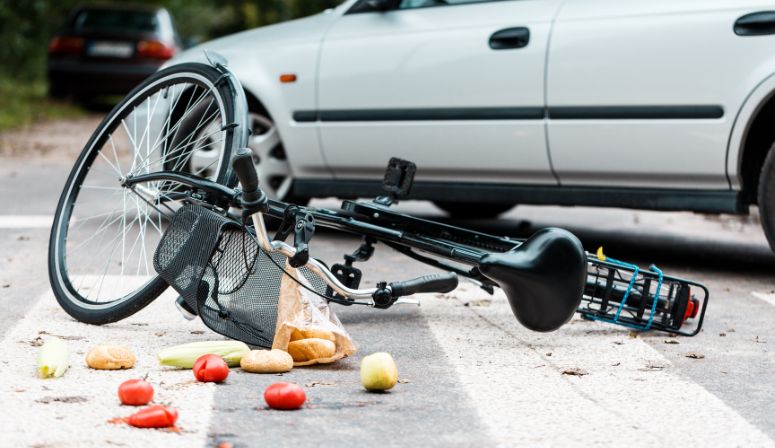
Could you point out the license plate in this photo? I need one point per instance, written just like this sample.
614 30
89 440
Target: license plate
111 49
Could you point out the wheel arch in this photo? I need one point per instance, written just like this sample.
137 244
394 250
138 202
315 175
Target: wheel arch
752 137
255 104
258 74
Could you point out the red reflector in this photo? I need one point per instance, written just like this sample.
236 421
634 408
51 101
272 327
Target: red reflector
692 307
154 49
65 44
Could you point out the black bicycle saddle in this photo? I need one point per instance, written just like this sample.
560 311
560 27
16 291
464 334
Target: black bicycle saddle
543 278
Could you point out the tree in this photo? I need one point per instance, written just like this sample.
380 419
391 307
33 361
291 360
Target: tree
26 26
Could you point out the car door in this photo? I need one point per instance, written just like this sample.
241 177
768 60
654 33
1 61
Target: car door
644 93
434 82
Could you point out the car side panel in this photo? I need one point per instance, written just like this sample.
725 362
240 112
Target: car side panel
437 60
646 53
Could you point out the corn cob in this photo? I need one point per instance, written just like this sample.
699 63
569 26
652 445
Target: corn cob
185 355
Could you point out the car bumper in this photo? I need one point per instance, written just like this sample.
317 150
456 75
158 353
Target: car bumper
98 77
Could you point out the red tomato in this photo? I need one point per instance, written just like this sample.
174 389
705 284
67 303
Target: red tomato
155 416
135 392
211 369
285 396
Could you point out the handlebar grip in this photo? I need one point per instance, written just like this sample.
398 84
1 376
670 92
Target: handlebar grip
242 163
445 282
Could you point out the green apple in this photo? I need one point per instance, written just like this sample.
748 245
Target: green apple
378 372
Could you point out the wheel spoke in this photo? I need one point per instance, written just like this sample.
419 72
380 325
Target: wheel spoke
164 159
113 231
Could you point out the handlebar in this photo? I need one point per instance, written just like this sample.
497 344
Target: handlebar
442 282
387 294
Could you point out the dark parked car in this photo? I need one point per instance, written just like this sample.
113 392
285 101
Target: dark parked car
109 49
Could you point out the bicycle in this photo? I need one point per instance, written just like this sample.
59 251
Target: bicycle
180 194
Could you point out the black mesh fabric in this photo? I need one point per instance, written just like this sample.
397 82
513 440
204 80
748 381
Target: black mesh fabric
221 272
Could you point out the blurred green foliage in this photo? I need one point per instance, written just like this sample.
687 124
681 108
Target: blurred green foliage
22 103
26 26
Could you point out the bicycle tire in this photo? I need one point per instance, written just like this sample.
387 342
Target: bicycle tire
189 77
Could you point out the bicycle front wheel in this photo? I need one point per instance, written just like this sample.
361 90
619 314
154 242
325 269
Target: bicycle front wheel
105 233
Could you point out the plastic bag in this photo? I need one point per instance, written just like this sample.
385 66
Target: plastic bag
300 311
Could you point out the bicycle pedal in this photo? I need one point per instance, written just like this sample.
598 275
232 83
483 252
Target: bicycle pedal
184 309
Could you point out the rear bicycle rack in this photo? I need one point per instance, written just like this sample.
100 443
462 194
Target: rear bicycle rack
622 293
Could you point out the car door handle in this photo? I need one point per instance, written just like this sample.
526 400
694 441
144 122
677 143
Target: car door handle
756 24
509 38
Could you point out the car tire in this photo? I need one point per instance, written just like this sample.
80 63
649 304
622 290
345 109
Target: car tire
767 196
470 210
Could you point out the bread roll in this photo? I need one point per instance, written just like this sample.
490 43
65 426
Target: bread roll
297 335
110 357
310 349
309 333
266 361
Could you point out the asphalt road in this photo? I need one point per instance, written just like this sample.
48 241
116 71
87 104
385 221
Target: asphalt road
470 374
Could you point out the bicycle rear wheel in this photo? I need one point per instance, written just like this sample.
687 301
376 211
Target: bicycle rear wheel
105 233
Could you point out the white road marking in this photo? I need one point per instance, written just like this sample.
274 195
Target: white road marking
769 298
26 221
50 412
631 395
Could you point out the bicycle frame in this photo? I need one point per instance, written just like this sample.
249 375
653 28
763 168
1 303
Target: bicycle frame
624 297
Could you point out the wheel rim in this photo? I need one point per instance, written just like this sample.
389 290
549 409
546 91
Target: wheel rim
107 233
272 166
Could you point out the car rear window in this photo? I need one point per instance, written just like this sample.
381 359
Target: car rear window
121 21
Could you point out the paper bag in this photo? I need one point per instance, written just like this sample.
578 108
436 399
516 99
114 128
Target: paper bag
300 310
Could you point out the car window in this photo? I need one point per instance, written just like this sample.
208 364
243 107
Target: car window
107 20
411 4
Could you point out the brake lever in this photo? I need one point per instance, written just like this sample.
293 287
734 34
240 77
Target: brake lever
406 301
302 234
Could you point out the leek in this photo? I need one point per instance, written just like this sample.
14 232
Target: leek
53 358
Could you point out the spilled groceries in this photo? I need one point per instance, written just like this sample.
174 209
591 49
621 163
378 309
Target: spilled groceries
378 372
284 396
53 358
210 369
135 392
110 357
155 416
185 355
267 361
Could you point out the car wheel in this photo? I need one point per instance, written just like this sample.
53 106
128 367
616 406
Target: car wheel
767 197
272 165
470 210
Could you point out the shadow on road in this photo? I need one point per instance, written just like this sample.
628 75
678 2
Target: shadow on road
650 247
644 247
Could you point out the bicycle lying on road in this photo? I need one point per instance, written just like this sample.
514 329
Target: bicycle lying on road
166 193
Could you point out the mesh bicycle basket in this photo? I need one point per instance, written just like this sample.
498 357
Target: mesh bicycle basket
216 265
